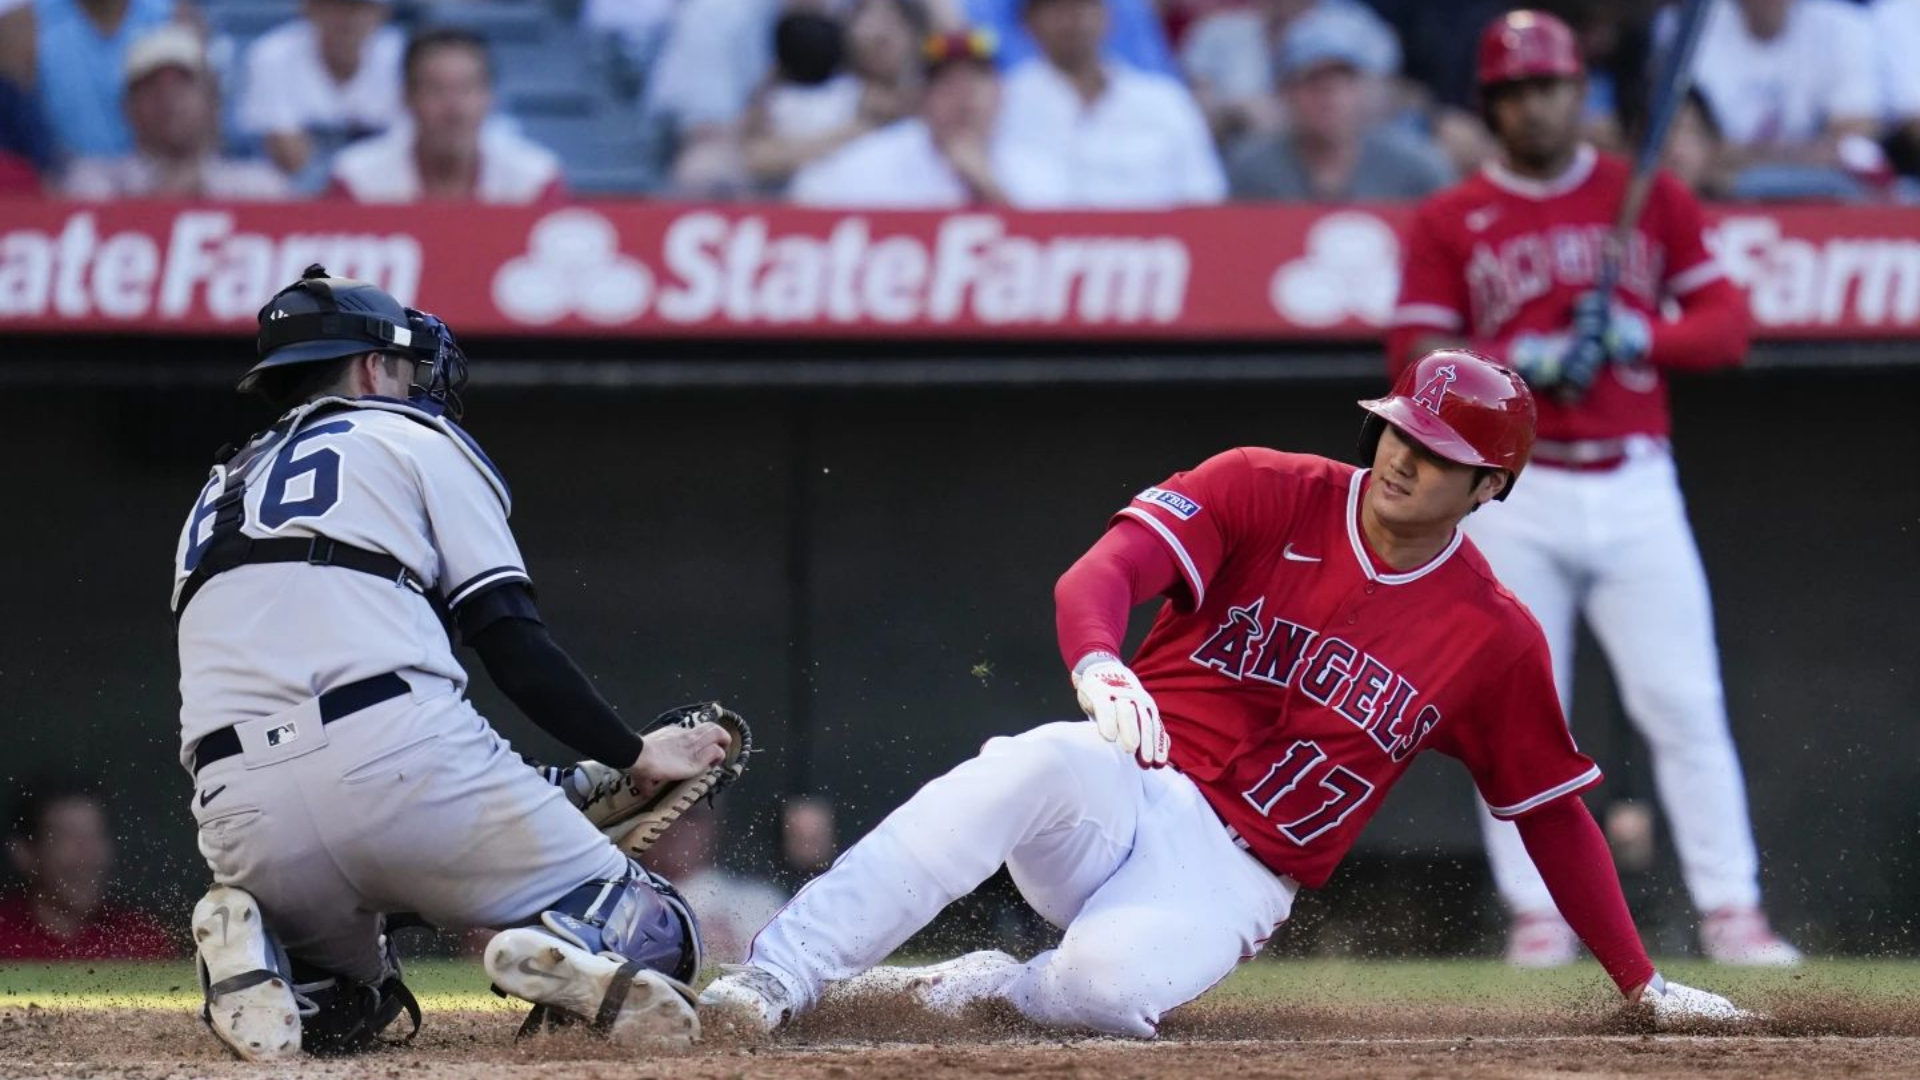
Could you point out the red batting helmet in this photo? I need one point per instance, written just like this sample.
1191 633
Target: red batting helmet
1528 45
1460 405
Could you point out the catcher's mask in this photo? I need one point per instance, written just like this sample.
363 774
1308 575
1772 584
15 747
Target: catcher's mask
321 317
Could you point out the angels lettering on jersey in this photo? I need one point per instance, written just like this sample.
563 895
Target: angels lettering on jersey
1299 677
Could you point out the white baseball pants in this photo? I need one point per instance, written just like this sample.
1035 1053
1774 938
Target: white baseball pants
1615 547
411 805
1157 901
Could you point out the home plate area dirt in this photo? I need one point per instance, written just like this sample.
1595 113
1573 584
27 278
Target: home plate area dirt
1835 1036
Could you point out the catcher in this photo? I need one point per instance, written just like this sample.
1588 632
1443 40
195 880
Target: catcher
342 776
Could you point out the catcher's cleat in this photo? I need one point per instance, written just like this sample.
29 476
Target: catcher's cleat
746 999
250 1001
633 820
946 988
629 1004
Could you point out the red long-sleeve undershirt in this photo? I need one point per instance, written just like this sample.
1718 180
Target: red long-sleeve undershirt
1129 566
1125 568
1712 332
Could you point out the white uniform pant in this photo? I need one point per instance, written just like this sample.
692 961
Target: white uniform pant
406 806
1157 901
1615 547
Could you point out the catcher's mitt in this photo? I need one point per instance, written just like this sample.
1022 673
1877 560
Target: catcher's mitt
632 821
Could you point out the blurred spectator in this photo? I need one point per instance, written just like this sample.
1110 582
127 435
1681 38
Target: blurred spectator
945 157
25 149
808 111
1229 59
80 52
809 838
1791 83
1134 34
173 107
731 907
1896 39
447 147
323 80
1333 148
59 842
1114 136
715 55
1694 149
17 42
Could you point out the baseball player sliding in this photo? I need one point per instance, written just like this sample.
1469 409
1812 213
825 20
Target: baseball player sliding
1322 624
341 773
1508 263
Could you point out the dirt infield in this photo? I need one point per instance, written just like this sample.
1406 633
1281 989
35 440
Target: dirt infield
867 1041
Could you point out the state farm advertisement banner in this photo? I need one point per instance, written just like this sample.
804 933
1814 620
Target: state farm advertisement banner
651 270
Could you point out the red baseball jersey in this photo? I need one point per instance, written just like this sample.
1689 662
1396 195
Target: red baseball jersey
1299 675
1499 254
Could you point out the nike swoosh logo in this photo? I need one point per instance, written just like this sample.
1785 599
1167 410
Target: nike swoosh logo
526 968
208 796
1291 556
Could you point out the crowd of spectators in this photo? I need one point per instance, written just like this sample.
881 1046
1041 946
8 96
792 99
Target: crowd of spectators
927 103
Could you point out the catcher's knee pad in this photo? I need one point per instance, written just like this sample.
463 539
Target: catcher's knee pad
639 917
341 1016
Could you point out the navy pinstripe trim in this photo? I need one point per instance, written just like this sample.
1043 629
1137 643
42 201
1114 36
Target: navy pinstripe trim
482 580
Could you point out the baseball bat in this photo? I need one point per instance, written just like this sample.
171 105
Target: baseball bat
1673 77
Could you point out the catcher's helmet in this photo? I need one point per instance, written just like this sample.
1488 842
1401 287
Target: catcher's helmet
1460 405
1527 45
321 318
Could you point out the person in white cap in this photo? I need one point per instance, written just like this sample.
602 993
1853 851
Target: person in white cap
1329 72
323 80
172 106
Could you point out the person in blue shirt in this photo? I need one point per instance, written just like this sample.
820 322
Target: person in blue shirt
1135 35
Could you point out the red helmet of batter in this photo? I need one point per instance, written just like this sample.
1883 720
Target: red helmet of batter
1528 45
1463 407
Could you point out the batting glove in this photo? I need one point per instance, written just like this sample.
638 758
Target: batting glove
1676 1005
1624 334
1537 358
1121 708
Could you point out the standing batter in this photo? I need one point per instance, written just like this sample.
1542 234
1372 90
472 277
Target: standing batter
342 775
1323 625
1508 261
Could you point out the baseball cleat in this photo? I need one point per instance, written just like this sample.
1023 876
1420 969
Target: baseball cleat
250 1004
748 999
1677 1006
1541 940
629 1004
1741 937
945 988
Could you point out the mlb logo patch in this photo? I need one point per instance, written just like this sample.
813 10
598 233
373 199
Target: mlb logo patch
1172 501
282 735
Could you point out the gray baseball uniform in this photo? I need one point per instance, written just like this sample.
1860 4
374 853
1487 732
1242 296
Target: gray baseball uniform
412 803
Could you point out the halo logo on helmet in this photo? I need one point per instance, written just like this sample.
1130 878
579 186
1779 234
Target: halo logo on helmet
321 318
1461 406
1436 388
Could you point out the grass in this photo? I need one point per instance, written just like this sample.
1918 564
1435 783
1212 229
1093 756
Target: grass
460 984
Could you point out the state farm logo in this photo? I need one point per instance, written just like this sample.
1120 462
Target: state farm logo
744 270
1351 270
573 266
204 262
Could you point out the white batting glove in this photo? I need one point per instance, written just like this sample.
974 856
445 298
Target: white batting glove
1121 708
1676 1005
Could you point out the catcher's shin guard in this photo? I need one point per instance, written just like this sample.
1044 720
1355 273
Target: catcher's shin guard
615 954
246 977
